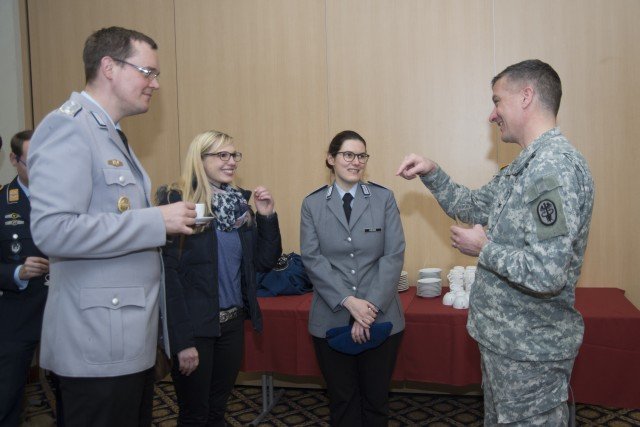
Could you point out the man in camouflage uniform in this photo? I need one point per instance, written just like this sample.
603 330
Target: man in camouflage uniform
530 234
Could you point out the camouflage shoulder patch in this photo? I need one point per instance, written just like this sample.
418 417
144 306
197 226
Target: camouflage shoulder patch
70 108
545 203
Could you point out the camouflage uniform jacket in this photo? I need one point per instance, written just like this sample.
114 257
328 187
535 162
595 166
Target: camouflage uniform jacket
537 213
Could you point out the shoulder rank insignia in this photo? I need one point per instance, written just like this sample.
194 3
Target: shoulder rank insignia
14 195
115 162
316 191
376 185
70 108
98 119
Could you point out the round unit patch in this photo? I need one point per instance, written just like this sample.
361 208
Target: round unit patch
547 212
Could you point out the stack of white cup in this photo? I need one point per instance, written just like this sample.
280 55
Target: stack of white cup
457 296
469 277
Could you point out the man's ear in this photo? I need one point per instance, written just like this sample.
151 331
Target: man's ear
13 159
527 96
106 66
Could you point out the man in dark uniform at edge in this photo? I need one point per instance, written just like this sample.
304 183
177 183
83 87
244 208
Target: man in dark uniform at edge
23 292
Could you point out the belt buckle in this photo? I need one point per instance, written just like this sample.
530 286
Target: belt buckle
227 315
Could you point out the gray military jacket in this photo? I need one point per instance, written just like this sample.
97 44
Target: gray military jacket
363 258
91 214
537 213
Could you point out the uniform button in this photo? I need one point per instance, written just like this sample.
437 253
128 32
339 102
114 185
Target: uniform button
15 236
354 288
348 239
351 255
353 272
115 301
121 178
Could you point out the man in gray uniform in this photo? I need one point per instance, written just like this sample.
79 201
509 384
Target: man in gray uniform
91 214
530 234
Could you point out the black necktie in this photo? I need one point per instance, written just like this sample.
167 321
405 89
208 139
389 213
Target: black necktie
124 140
346 205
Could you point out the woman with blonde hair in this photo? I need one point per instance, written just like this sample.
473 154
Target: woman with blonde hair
211 276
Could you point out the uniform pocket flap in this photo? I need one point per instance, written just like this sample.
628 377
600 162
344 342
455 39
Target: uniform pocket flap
540 186
113 298
118 176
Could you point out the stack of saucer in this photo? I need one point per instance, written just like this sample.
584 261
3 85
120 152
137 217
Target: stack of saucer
429 287
403 282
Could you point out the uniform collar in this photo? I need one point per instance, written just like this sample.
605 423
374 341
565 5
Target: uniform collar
341 192
522 161
97 104
24 188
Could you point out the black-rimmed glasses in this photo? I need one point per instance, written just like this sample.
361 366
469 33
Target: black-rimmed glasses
224 155
349 156
149 73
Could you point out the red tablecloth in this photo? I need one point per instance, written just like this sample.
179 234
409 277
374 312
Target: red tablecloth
437 349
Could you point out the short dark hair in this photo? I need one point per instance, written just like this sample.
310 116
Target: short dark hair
541 75
338 140
114 42
18 141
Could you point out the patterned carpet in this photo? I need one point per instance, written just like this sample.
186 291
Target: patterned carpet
309 407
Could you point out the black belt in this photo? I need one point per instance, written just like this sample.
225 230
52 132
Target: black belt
230 314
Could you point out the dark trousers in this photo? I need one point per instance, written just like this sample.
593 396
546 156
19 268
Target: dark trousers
358 386
15 360
202 396
124 401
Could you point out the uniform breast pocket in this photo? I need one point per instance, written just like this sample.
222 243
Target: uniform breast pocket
373 236
114 324
121 186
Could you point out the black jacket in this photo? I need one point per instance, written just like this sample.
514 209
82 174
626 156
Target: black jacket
191 274
20 311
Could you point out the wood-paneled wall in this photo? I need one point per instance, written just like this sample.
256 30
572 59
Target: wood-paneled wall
283 76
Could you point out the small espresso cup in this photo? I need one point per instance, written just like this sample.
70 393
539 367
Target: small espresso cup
199 210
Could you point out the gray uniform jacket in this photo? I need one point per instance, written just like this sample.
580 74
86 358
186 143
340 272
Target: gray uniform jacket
363 258
537 212
101 316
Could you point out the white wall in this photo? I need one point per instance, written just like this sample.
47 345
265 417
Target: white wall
11 94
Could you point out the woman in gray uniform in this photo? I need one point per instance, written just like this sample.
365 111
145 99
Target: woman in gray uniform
352 247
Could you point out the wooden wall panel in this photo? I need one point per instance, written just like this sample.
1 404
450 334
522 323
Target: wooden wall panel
284 76
58 30
257 71
593 46
413 76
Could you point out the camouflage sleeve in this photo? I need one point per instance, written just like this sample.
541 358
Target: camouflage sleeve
540 263
470 206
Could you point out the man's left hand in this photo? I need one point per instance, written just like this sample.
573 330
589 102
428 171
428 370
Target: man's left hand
469 241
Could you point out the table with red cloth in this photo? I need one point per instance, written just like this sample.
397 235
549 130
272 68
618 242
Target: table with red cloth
436 347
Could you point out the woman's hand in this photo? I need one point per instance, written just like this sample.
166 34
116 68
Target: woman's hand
361 310
264 202
359 334
188 359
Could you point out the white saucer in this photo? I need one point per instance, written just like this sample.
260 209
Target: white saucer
204 220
